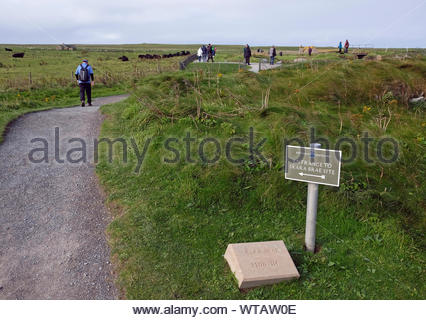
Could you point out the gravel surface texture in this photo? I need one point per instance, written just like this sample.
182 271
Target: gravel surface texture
52 215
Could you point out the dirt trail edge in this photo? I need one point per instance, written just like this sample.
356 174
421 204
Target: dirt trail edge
52 214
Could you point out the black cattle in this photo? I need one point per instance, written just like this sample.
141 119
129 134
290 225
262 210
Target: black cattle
281 53
124 58
18 55
7 49
164 56
149 56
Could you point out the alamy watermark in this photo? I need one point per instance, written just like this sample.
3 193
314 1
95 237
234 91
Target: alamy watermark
176 149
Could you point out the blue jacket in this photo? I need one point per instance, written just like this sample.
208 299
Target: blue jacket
89 68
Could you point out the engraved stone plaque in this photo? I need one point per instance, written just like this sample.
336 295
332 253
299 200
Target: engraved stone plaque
260 263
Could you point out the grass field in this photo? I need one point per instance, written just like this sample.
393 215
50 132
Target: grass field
52 81
173 221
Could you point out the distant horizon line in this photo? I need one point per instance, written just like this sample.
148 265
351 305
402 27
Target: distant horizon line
191 44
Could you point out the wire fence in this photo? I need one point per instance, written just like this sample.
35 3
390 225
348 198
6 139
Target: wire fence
11 79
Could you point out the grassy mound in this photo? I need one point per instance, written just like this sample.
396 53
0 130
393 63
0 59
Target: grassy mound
174 220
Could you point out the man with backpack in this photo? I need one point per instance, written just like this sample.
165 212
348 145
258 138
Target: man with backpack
85 79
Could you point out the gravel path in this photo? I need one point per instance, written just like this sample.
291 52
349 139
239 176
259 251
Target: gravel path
254 67
52 215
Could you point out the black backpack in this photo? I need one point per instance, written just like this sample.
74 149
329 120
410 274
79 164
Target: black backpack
84 73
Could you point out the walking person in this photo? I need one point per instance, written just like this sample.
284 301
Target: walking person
272 55
346 46
200 53
204 49
310 51
210 53
340 47
85 79
247 54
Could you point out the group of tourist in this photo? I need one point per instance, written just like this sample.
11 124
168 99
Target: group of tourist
84 72
206 53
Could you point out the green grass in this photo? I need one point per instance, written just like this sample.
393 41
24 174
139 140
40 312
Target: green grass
16 103
173 222
216 68
52 75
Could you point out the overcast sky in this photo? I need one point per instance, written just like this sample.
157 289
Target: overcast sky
381 23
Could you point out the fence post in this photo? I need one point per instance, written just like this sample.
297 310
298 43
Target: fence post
30 79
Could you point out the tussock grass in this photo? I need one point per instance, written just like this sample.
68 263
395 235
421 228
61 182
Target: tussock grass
178 218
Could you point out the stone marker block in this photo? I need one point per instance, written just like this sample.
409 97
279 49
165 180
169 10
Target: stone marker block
260 263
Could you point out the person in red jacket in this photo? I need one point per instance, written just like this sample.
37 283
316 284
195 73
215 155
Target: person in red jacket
346 46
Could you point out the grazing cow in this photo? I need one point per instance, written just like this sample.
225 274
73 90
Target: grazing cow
7 49
146 56
124 58
164 56
18 55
